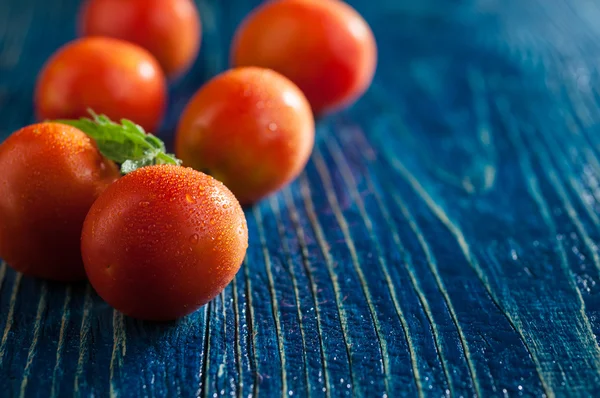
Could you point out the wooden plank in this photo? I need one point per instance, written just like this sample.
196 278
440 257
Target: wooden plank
442 240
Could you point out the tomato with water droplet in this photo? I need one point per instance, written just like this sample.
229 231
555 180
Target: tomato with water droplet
251 128
171 270
51 175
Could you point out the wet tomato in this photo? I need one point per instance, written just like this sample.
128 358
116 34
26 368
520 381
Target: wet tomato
111 76
324 46
169 29
51 175
250 128
163 241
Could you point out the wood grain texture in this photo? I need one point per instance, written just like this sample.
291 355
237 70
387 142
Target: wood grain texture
442 240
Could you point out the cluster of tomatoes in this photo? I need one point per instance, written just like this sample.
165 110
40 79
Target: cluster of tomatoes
159 235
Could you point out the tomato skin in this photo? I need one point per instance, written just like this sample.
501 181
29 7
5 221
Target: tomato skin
162 241
250 128
324 46
169 29
51 175
113 77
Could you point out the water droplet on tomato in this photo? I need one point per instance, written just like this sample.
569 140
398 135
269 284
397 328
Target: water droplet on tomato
194 239
189 198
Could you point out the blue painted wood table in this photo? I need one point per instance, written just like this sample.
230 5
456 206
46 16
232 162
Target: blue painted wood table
441 242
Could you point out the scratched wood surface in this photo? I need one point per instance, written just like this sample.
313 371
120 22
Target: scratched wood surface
441 242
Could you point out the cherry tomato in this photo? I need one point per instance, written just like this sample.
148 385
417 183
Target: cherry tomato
51 175
250 128
162 241
324 46
113 77
169 29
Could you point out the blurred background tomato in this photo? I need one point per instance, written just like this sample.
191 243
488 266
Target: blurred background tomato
204 31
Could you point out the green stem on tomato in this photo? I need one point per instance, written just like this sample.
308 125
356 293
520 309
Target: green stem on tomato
126 144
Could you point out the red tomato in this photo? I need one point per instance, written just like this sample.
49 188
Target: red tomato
250 128
169 29
324 46
162 241
113 77
51 175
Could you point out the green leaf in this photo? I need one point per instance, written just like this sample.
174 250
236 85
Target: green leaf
126 144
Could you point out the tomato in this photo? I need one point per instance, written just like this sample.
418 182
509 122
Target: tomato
110 76
324 46
51 175
251 128
162 241
169 29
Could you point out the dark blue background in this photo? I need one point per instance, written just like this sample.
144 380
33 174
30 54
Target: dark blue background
442 240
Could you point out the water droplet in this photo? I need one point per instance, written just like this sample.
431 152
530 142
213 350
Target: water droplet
144 204
189 198
272 127
194 239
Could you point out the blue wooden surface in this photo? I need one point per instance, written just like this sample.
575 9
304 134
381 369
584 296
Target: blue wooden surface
441 242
